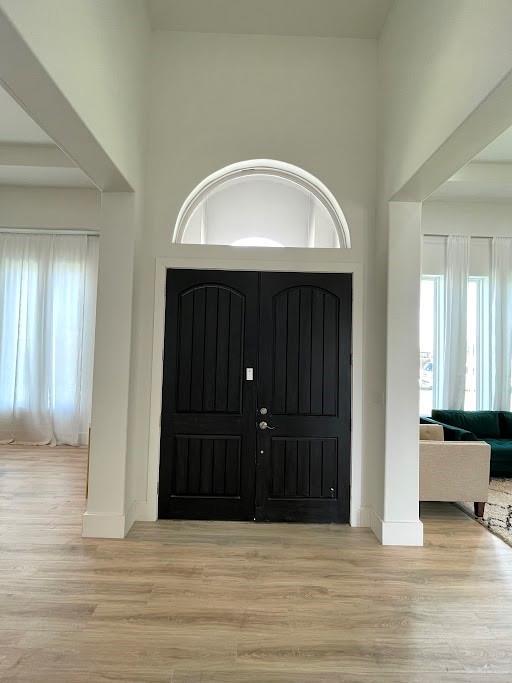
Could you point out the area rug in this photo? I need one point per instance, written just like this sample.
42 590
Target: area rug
498 510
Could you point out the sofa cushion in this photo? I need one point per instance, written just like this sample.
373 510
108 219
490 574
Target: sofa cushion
483 423
501 457
506 424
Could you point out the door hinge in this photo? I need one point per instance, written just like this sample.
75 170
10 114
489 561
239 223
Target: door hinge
157 488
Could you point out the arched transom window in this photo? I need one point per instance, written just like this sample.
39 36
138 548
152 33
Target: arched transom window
262 204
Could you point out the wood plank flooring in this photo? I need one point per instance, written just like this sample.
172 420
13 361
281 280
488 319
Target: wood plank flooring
187 602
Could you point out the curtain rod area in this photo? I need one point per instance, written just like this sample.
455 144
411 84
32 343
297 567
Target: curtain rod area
48 231
444 235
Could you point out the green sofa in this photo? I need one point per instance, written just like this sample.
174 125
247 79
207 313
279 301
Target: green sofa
494 427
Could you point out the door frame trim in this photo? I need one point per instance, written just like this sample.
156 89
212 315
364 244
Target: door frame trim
203 257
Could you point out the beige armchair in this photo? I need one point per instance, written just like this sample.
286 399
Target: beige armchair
453 470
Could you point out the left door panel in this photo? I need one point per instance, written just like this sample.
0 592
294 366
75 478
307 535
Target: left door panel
208 441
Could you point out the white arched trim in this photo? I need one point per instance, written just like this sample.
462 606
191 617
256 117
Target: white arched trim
268 167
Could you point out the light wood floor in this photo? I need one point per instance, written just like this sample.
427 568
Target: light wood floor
238 602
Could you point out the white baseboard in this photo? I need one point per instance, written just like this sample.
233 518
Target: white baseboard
145 512
112 525
103 525
130 517
361 517
396 533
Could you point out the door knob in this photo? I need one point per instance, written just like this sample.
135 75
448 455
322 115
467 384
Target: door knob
263 411
264 425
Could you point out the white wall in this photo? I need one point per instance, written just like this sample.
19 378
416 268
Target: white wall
219 99
433 256
479 219
52 208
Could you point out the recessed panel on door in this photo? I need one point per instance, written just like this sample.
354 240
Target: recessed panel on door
210 350
304 467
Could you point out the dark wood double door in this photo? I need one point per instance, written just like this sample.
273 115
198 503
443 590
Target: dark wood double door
256 396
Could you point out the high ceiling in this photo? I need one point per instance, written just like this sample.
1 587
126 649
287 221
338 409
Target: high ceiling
323 18
28 156
477 182
16 126
487 178
499 151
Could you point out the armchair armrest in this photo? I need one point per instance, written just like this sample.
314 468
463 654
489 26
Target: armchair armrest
454 470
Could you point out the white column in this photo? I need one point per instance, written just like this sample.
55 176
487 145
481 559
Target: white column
401 524
105 515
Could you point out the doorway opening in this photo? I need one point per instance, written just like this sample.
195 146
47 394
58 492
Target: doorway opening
256 396
48 285
48 282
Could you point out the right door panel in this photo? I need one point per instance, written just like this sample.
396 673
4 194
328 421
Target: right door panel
303 457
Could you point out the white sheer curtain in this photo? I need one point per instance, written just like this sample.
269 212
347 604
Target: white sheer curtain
501 322
454 342
47 313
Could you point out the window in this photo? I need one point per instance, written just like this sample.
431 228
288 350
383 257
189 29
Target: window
256 242
477 392
262 203
47 308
